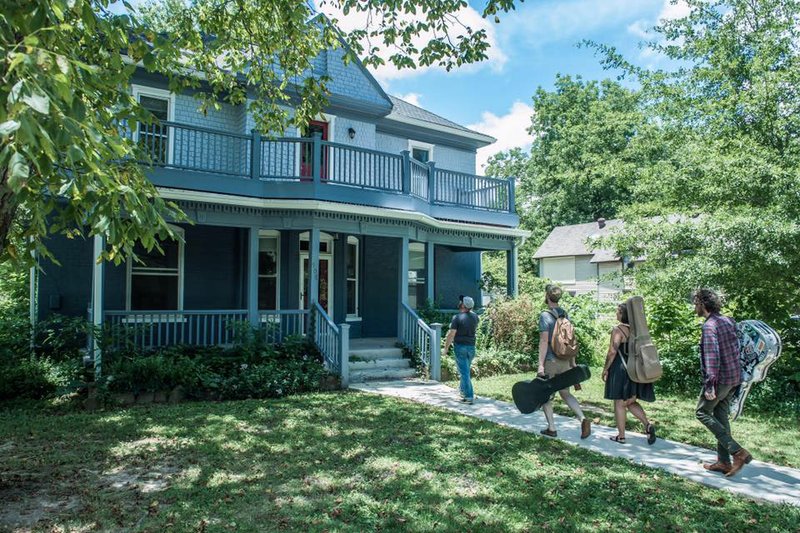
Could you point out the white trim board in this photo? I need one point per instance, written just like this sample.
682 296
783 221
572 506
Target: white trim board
334 207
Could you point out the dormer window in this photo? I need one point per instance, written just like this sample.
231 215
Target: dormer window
422 152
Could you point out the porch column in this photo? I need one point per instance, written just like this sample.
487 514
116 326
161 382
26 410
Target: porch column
97 301
402 279
313 267
252 276
430 274
511 271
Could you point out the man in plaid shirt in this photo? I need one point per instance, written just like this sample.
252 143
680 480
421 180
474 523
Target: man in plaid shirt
722 375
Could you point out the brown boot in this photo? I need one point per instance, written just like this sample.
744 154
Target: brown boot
586 428
740 458
718 467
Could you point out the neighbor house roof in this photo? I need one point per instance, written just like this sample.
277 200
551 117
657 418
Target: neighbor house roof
565 241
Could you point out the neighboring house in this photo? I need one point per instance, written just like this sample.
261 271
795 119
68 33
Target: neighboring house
566 258
337 231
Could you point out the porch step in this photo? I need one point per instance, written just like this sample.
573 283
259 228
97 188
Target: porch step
373 354
382 374
375 364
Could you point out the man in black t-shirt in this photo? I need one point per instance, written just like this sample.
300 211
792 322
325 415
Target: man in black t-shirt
462 336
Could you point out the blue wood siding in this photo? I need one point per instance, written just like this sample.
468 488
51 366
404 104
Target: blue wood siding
66 289
456 273
380 300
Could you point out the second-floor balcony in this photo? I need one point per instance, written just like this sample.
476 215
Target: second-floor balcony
208 160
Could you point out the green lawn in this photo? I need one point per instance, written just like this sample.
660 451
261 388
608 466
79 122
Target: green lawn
772 439
336 462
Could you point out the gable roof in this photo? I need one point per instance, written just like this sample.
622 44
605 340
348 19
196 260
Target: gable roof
566 241
407 115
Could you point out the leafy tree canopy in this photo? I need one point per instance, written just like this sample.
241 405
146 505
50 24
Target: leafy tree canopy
64 94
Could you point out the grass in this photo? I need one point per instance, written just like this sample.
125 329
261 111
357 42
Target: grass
769 438
333 462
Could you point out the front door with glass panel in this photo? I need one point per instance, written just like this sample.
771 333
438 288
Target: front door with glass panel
325 272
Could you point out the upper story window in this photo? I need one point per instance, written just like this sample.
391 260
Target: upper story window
422 152
155 282
155 138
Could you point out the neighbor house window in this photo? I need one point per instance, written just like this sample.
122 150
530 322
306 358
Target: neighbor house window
352 277
559 269
268 271
416 274
155 138
155 281
422 152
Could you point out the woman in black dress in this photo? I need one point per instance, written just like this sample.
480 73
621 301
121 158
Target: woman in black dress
619 386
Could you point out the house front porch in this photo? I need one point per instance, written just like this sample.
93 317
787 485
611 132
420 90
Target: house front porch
330 276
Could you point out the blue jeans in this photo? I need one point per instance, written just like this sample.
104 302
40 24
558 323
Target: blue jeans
464 356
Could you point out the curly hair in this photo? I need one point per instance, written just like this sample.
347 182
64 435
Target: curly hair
709 299
553 293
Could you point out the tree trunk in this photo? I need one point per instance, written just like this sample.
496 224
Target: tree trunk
8 210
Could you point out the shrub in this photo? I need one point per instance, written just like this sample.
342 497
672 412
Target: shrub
60 337
35 377
513 325
492 362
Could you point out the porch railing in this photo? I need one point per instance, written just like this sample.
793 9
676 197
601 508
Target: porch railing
423 339
194 148
327 338
276 326
151 329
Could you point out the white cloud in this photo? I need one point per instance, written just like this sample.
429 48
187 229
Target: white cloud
674 9
640 29
411 98
510 130
544 22
467 16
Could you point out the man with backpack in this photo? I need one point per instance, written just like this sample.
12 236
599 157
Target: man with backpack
557 351
722 375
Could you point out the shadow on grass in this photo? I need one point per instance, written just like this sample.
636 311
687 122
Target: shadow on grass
341 461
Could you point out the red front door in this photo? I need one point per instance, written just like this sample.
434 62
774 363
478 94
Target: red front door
307 154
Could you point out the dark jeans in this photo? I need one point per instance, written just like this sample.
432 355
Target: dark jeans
713 414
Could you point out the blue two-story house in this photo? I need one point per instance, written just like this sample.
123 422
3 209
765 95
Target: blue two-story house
339 231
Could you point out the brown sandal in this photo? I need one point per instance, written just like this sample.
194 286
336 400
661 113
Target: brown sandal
618 439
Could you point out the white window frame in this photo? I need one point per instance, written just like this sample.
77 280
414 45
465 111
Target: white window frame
357 316
422 146
152 92
323 238
272 234
129 273
322 117
417 247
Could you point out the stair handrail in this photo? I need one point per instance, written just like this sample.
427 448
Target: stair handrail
421 338
326 336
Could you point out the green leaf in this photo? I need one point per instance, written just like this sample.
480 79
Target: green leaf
18 171
38 101
8 127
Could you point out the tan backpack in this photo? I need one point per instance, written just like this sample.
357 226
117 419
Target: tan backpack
563 341
643 364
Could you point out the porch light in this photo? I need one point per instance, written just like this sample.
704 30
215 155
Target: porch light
351 132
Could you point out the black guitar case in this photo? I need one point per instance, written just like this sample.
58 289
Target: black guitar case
531 395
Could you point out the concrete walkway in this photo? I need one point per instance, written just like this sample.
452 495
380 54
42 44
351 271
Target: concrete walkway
760 481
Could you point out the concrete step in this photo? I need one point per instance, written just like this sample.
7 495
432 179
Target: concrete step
371 354
382 374
376 364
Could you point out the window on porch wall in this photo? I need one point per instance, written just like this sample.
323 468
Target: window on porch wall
352 277
268 273
416 274
155 281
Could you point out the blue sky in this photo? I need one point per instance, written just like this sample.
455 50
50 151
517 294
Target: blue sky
529 47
